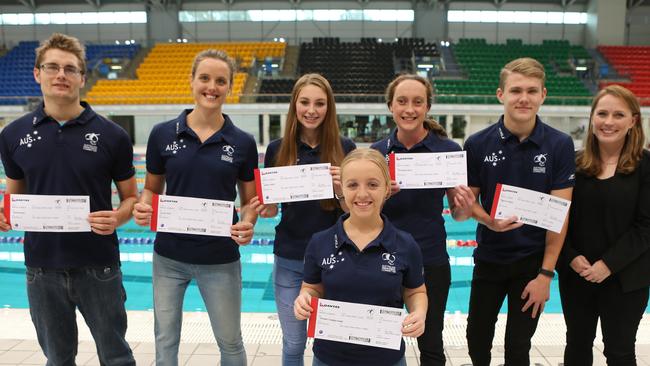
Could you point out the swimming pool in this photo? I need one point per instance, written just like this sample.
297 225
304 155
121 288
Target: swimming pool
257 263
136 247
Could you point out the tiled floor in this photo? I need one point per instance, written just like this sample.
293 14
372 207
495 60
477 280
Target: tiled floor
262 337
27 352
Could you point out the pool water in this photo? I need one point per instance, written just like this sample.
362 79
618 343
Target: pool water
136 247
257 264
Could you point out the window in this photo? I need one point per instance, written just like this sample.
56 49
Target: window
290 15
527 17
104 17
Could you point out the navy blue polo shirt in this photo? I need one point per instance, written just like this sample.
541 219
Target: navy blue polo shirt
81 157
203 170
419 211
301 219
376 276
542 162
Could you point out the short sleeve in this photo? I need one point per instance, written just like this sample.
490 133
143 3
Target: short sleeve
473 166
12 170
271 152
565 167
380 146
155 163
311 269
247 170
348 145
413 277
123 165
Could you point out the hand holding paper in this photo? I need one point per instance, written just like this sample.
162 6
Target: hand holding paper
530 207
369 325
294 183
188 215
47 213
429 170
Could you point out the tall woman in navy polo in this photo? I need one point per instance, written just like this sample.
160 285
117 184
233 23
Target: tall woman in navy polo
201 154
419 211
360 242
311 136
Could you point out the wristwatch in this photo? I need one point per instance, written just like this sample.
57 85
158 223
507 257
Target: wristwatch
546 272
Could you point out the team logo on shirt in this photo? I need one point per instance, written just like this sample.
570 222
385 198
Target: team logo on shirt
540 161
30 139
331 261
175 146
388 262
494 158
228 152
92 138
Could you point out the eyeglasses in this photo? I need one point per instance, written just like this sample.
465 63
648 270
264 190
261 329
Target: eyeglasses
53 69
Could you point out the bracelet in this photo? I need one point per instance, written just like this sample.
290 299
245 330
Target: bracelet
546 272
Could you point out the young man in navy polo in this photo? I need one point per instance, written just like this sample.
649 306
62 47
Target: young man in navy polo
513 259
65 148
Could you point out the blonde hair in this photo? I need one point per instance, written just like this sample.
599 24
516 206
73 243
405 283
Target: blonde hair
588 160
526 66
429 123
65 43
217 55
371 155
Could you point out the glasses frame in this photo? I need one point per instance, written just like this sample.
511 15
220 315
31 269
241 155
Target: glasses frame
54 69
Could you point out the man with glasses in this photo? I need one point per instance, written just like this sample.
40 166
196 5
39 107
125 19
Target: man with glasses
65 148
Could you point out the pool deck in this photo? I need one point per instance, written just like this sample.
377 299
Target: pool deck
262 336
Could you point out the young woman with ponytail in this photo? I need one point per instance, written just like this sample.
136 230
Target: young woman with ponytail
419 211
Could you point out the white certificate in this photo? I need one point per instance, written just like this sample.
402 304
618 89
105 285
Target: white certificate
531 207
47 213
369 325
294 183
188 215
429 170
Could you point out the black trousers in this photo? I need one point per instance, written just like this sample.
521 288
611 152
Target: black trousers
491 283
583 303
437 280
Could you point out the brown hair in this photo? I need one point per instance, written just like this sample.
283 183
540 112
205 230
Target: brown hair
588 160
217 55
65 43
331 150
371 155
429 123
526 66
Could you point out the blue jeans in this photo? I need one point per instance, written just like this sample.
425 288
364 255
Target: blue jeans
97 292
287 278
317 362
220 286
